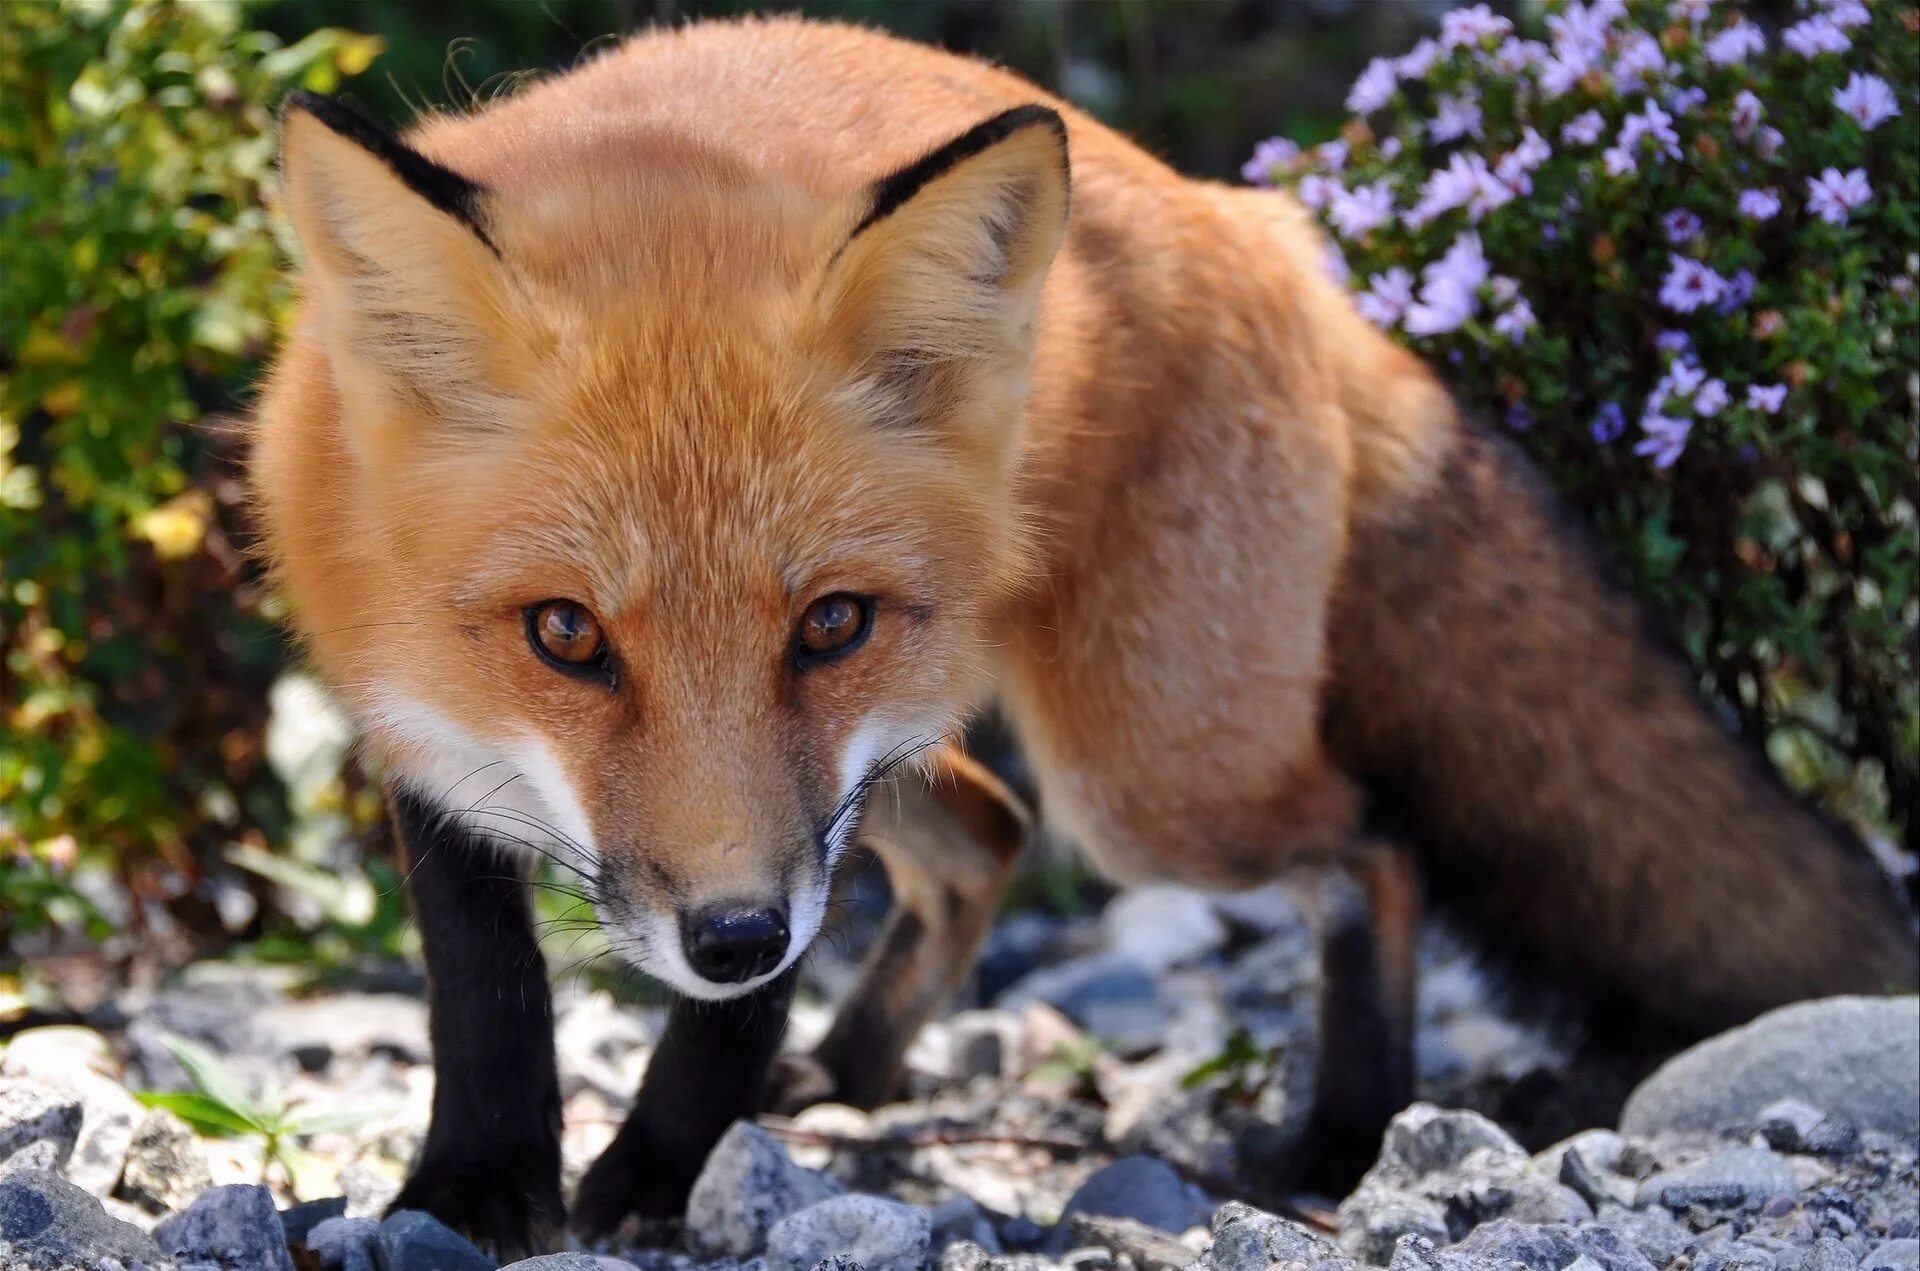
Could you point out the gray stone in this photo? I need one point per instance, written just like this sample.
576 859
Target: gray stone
369 1191
34 1112
1160 927
1854 1057
42 1156
1424 1139
981 1043
317 1031
1736 1179
235 1228
557 1262
1528 1199
1148 1248
1735 1255
345 1244
1249 1239
1374 1219
109 1116
1828 1254
412 1241
1137 1187
1106 994
959 1217
1894 1255
1594 1186
298 1221
879 1234
165 1168
1652 1231
1550 1247
47 1223
748 1184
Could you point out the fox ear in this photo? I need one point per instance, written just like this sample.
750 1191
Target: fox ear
933 297
397 252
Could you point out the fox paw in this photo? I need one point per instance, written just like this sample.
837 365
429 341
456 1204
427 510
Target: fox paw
509 1206
631 1182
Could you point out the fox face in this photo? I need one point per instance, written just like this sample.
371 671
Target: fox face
644 516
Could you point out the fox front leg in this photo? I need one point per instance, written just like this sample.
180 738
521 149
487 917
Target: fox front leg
709 1070
490 1167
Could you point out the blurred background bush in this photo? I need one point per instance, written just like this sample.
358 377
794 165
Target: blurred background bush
169 782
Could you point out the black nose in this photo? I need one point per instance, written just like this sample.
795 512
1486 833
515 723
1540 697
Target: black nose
728 944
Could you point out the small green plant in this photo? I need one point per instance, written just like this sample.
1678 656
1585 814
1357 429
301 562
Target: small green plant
1072 1064
219 1106
1247 1068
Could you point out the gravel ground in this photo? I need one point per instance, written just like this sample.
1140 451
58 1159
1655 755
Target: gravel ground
1068 1119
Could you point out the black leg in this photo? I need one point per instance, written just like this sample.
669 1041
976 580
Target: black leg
490 1167
709 1071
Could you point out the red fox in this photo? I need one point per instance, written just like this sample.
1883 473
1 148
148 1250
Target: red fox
667 455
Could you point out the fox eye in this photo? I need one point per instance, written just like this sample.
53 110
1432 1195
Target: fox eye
566 634
833 625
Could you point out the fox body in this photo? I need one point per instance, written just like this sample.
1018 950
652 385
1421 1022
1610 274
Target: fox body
664 455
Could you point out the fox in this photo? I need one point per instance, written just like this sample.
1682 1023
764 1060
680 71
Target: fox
666 462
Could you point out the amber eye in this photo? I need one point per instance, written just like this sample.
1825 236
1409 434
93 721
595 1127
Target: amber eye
563 631
833 624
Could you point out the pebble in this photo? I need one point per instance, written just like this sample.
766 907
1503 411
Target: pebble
412 1241
165 1168
748 1185
344 1244
234 1228
1736 1179
1142 1188
875 1233
34 1113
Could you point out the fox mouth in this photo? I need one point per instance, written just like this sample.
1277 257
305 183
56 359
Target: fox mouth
651 941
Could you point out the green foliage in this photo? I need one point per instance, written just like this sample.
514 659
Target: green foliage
139 284
1243 1068
219 1106
1752 457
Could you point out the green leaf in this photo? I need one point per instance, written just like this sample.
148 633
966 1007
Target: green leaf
199 1111
213 1080
302 1122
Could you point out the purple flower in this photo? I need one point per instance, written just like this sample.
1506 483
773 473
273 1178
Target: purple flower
1514 165
1561 72
1583 129
1739 291
1449 288
1759 205
1687 100
1619 161
1464 179
1516 321
1673 342
1608 423
1770 141
1334 266
1833 195
1696 11
1747 113
1516 55
1813 36
1665 440
1583 28
1374 88
1652 122
1735 44
1681 225
1847 14
1460 28
1359 212
1456 115
1711 398
1681 379
1638 62
1390 148
1417 61
1386 299
1271 154
1519 418
1316 191
1689 284
1766 398
1868 99
1332 155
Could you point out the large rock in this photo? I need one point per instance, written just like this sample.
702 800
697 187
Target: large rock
235 1228
1249 1239
48 1224
749 1183
875 1233
344 1244
1137 1187
1853 1057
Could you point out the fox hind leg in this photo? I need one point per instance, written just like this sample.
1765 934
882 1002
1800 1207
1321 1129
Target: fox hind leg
949 844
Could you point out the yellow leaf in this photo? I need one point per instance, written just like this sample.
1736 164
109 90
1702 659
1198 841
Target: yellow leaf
177 527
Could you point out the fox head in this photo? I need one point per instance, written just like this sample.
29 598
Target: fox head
644 515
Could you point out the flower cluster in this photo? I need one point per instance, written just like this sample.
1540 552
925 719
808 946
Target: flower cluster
1675 243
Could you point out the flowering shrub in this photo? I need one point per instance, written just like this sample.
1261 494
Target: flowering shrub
1675 252
139 281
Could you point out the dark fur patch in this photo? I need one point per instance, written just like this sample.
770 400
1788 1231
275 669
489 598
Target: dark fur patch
891 193
444 188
